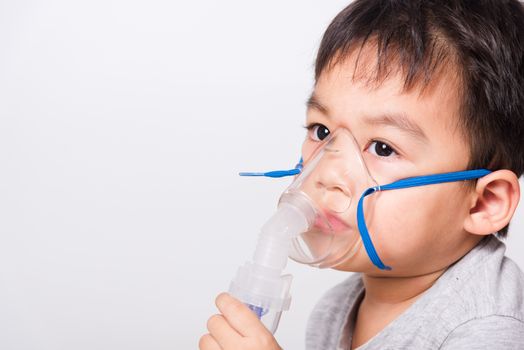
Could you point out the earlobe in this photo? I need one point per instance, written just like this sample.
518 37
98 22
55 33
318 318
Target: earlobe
494 202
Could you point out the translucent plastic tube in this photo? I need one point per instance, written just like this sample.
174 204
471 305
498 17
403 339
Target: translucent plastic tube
260 283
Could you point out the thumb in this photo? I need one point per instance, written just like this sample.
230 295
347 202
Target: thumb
240 317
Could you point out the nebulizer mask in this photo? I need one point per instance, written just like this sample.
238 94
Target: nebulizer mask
322 219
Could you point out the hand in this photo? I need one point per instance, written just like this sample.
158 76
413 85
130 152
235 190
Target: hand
237 328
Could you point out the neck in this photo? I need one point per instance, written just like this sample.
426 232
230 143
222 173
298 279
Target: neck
393 291
385 299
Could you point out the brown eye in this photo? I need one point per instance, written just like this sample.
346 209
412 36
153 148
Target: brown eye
381 149
318 132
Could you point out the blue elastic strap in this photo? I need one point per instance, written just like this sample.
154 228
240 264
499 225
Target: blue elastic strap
278 173
405 183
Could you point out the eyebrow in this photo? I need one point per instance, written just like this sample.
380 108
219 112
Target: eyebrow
397 120
312 102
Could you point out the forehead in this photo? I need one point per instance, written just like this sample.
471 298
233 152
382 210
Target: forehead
352 88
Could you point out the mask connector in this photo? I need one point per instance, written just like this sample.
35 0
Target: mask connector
259 283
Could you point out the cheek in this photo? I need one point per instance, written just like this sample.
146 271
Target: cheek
307 150
408 223
310 148
384 172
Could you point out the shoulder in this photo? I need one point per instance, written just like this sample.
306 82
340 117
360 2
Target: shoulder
492 285
351 286
329 315
477 301
337 300
483 299
484 282
490 332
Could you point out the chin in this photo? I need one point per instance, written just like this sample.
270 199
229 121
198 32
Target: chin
357 263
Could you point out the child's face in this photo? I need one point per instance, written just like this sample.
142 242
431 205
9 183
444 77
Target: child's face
401 134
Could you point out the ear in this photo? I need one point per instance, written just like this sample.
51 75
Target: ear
493 202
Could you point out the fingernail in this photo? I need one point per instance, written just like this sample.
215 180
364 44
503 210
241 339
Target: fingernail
221 299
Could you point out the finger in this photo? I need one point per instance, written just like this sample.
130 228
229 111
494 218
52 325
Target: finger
238 315
207 342
222 332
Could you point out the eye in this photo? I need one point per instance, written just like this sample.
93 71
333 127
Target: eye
381 149
317 132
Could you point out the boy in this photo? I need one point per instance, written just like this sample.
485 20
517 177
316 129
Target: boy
425 87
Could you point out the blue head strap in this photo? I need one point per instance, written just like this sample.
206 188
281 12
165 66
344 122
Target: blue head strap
277 173
404 183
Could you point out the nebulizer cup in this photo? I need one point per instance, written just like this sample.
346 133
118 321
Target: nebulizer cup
314 224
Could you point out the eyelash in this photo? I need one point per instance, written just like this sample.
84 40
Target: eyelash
311 127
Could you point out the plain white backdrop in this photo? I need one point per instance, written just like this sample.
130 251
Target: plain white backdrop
123 125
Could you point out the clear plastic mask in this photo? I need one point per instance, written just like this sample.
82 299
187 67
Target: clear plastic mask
333 179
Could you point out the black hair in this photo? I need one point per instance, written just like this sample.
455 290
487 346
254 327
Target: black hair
482 40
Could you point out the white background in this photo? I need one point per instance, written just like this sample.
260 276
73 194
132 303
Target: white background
123 125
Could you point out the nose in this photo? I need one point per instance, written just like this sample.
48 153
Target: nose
335 172
331 182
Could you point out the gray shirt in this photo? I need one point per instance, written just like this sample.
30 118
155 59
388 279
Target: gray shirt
478 303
